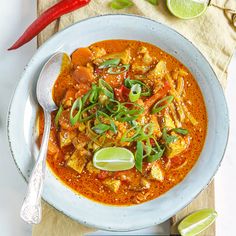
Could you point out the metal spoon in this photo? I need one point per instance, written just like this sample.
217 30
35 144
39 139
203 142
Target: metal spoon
31 211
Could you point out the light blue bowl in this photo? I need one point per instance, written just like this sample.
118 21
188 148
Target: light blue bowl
22 116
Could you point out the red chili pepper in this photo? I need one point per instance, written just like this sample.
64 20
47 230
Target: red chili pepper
161 93
122 93
53 13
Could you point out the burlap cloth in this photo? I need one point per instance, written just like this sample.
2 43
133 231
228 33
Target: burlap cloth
214 33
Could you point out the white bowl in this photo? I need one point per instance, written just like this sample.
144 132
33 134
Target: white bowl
22 116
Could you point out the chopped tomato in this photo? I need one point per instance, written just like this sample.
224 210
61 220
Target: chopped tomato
52 143
122 93
81 57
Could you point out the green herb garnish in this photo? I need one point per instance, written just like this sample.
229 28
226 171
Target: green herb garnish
109 63
100 128
180 131
135 92
113 106
76 105
60 110
115 70
146 91
153 2
168 138
106 88
139 156
120 4
93 98
165 101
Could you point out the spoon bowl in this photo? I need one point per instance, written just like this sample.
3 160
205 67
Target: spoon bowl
31 211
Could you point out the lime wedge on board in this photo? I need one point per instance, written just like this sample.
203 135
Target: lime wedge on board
113 159
187 9
197 222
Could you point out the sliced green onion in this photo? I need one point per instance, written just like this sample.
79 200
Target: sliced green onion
138 111
158 154
135 92
124 117
60 110
147 131
93 98
91 133
126 136
120 4
139 157
112 124
83 118
113 106
115 70
181 131
158 107
100 114
76 105
106 88
113 127
109 63
153 2
126 114
100 128
146 91
168 138
148 147
85 97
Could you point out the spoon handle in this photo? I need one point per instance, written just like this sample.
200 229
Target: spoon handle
31 211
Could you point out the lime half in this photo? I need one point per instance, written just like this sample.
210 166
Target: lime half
197 222
113 159
187 9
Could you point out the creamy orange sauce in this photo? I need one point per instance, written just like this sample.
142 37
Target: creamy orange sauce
90 184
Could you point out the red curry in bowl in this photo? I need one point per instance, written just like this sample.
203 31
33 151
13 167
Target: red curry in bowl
130 94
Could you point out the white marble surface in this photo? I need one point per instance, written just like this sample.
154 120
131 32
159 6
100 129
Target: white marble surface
15 16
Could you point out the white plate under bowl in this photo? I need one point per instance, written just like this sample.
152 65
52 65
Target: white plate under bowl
22 114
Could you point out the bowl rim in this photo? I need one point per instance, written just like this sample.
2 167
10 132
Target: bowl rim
56 35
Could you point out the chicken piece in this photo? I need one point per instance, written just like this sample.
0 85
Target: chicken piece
92 169
157 130
156 172
66 137
77 161
147 59
112 184
52 144
178 146
159 71
143 66
124 56
97 52
168 122
140 69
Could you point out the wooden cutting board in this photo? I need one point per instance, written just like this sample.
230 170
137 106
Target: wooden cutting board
205 199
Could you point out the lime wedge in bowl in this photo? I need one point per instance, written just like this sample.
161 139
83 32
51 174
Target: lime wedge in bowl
113 159
187 9
197 222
